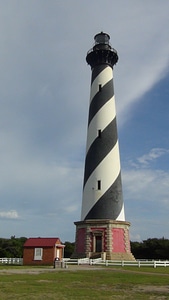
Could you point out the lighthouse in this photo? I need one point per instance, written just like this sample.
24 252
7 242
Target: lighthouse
102 231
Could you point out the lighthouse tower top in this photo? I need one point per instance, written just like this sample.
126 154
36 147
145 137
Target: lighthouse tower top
102 39
102 52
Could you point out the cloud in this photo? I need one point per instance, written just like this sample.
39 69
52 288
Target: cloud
135 236
146 202
145 190
152 155
12 214
147 185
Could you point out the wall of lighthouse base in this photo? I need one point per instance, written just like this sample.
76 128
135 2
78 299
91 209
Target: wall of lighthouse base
108 239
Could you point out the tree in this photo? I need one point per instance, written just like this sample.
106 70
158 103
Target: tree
12 247
151 248
69 248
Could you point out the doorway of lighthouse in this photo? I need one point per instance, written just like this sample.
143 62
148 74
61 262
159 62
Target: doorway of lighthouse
98 243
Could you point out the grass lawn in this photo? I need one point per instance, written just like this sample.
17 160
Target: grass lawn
80 283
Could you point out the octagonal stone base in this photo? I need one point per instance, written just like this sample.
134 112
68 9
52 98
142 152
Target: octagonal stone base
108 239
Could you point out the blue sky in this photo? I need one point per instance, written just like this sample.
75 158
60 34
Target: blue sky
44 97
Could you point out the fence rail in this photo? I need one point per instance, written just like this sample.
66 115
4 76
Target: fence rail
11 261
136 263
98 261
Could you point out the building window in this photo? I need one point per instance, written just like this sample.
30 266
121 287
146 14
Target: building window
99 184
38 252
100 87
99 133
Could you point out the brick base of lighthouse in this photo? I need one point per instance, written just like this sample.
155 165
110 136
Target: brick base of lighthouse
108 239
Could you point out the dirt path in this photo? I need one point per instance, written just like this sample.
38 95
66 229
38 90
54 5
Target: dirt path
34 270
38 270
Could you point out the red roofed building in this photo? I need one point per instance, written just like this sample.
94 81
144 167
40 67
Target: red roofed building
42 251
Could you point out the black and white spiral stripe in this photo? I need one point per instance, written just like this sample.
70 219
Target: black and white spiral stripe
102 190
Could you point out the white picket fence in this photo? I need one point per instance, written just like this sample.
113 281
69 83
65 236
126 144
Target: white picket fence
11 261
99 261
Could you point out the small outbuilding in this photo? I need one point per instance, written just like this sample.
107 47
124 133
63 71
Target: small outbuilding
42 251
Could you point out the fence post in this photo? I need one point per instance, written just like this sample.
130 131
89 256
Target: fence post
154 264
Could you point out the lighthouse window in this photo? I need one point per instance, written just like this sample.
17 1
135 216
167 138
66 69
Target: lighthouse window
99 184
99 133
100 87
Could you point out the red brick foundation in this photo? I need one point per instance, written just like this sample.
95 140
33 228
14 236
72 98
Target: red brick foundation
106 238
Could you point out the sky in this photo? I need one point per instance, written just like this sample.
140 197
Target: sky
44 101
